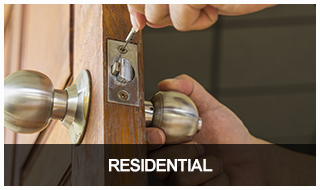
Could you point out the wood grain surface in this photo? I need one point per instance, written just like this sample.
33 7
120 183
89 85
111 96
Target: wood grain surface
109 123
46 165
124 124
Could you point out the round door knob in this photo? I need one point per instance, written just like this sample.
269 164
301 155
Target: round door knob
30 102
174 113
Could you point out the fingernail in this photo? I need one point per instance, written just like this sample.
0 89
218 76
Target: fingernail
155 137
134 22
168 81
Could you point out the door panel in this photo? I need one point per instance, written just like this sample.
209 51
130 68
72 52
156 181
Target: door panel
56 133
61 41
45 47
45 41
88 54
37 38
43 159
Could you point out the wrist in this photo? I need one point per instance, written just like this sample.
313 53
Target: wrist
285 167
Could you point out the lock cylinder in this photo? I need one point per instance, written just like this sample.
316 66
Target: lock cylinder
175 114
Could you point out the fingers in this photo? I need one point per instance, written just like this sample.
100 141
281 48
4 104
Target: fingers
136 7
186 17
188 86
197 177
192 17
220 180
157 15
240 9
182 17
219 124
138 20
155 138
181 151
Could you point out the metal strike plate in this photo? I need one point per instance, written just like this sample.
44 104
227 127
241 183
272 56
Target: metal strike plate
123 93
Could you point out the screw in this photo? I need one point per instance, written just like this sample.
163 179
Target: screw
124 95
122 50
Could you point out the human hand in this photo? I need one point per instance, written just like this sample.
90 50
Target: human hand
186 17
219 126
224 136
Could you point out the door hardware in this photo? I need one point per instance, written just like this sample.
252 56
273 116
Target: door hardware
123 70
30 102
174 113
130 36
122 50
123 78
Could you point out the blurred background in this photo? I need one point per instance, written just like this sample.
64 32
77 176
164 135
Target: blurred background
262 66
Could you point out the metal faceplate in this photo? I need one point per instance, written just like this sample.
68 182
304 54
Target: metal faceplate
118 92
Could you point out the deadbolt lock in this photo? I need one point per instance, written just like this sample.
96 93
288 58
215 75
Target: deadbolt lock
30 102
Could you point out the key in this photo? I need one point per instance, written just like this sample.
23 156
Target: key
130 36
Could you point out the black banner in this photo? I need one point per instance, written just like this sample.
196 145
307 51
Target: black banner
183 164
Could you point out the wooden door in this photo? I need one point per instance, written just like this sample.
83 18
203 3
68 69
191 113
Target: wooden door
60 41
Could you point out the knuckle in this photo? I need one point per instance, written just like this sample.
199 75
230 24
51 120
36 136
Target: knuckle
215 164
178 179
152 15
182 28
153 18
224 179
183 76
136 7
179 25
220 180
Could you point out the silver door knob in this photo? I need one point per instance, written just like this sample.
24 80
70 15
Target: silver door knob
30 102
174 113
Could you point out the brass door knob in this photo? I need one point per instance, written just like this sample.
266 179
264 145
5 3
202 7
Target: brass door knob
30 102
174 113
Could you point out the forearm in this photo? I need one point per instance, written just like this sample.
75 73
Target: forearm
286 167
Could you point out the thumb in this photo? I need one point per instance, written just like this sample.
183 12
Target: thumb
220 125
190 87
